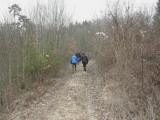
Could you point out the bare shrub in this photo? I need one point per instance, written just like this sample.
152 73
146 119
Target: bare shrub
31 48
132 45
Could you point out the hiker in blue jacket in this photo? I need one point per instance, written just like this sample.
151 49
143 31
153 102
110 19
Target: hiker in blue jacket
74 61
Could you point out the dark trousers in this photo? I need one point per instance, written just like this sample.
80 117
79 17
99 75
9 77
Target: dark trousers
84 66
74 67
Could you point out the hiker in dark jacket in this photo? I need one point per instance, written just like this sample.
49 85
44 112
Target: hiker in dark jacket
84 59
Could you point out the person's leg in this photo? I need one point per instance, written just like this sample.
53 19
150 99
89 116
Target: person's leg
75 67
84 66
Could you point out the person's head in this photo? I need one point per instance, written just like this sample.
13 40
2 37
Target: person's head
83 54
77 54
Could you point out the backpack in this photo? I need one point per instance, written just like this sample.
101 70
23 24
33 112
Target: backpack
84 59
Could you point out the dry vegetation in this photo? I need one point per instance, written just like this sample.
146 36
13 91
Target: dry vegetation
32 49
125 44
130 58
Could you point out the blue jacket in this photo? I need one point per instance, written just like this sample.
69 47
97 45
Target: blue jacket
74 59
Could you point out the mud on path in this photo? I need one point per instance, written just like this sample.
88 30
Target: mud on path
76 100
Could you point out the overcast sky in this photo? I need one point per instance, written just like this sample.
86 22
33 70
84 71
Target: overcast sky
81 9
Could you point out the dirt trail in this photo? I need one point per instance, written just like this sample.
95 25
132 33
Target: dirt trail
75 100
